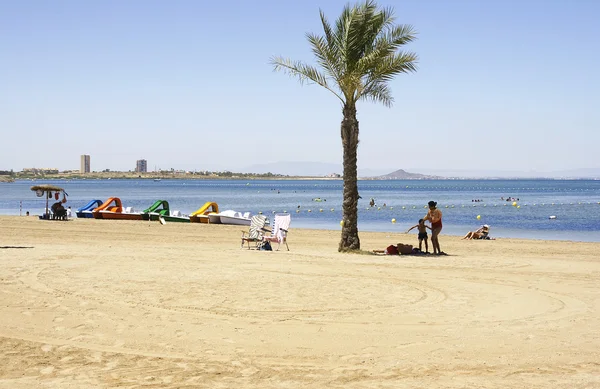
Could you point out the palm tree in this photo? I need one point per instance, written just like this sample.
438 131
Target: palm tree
357 59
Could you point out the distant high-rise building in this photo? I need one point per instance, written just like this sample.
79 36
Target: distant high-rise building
85 164
141 166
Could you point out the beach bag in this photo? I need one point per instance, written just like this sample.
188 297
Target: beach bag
405 248
266 246
391 250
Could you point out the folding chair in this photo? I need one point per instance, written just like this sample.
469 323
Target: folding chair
281 226
256 232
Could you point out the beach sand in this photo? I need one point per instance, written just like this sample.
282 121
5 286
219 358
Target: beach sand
125 304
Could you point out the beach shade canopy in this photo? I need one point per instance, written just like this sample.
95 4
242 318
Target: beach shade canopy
47 188
41 190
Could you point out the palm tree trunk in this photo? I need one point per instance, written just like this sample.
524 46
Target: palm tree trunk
350 240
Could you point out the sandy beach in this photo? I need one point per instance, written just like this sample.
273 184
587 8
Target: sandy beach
125 304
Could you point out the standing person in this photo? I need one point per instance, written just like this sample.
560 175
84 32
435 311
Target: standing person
69 213
422 228
434 215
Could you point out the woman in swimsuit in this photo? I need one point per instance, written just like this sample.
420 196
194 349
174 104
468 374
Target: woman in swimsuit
482 232
435 217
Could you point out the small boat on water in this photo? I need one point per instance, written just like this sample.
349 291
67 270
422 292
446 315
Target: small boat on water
201 215
113 209
86 210
161 209
230 217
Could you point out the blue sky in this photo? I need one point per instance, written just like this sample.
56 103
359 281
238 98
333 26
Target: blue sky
501 85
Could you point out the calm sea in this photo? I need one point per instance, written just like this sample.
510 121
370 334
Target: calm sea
574 203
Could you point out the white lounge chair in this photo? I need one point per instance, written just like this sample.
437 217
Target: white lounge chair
281 226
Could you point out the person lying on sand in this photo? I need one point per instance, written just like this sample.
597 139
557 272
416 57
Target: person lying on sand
482 232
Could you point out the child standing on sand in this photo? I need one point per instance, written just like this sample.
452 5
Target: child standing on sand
422 234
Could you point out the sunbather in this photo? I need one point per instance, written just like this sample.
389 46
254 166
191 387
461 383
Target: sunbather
482 232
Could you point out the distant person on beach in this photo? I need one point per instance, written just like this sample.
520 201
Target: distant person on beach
372 202
434 216
58 210
482 232
422 228
69 212
27 213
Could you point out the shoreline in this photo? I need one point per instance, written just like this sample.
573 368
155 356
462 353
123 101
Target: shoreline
450 231
332 232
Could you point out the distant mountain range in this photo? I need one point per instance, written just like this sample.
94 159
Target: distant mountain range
401 174
321 169
585 173
307 169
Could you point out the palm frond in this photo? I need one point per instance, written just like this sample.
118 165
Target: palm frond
401 34
305 73
386 44
380 25
342 26
377 92
364 28
325 56
390 66
385 71
332 43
